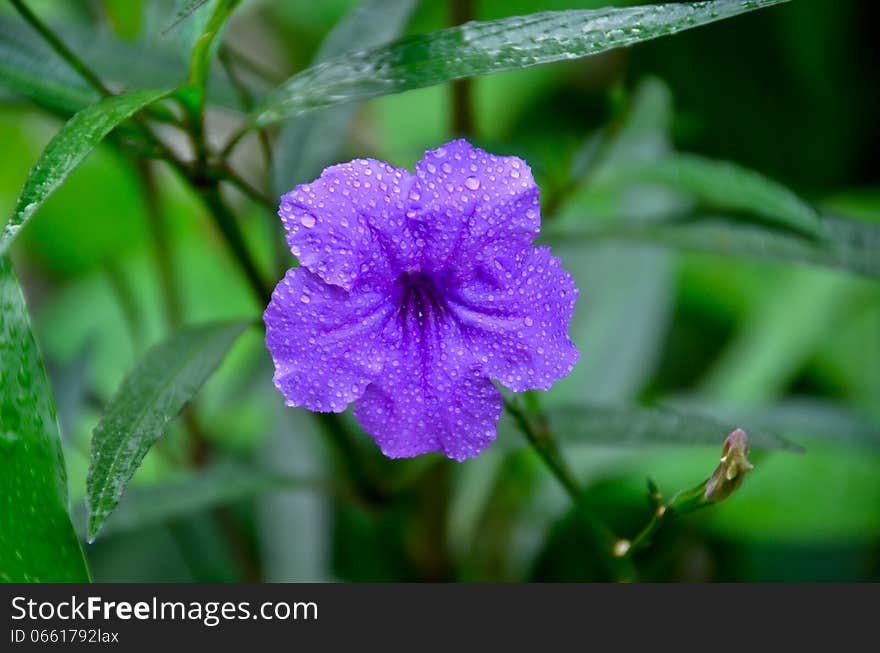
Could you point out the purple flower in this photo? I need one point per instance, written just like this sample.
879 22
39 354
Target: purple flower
413 292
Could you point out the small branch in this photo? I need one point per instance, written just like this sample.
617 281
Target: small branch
340 437
247 103
726 478
251 65
462 90
542 441
224 173
161 246
230 231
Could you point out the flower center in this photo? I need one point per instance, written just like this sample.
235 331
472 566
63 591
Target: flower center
419 300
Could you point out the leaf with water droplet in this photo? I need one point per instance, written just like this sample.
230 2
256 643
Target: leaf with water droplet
165 379
481 48
37 541
68 148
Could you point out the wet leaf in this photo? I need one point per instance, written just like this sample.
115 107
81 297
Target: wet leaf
165 379
37 541
481 48
68 148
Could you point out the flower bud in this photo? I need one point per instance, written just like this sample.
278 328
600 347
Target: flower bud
731 471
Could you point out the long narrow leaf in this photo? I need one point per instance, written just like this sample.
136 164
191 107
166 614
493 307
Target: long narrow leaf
157 388
641 426
71 145
846 244
719 185
37 541
481 48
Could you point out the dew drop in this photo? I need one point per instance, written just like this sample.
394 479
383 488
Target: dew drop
472 182
305 299
307 220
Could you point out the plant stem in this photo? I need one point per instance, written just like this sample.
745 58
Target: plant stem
247 103
223 172
686 501
542 441
228 226
161 247
462 90
363 484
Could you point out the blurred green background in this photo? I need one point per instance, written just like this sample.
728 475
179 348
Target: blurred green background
791 92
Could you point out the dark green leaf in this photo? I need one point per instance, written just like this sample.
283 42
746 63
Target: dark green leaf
77 138
720 185
37 541
845 244
482 48
628 426
307 144
167 377
39 75
212 487
803 419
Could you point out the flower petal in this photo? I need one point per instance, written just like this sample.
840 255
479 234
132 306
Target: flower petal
467 201
430 396
349 221
324 341
514 311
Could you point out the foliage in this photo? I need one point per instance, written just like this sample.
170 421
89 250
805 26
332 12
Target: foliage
727 255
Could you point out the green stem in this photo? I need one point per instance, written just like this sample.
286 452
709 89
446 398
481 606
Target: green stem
543 443
683 502
353 464
223 172
228 226
161 246
462 89
251 65
247 103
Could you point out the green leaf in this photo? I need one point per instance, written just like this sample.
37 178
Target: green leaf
627 426
68 148
38 76
845 244
37 541
184 11
205 46
167 377
308 144
719 185
215 486
481 48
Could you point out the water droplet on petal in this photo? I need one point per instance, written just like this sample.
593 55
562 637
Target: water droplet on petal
307 220
472 182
